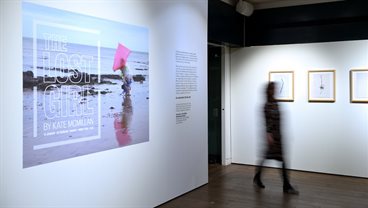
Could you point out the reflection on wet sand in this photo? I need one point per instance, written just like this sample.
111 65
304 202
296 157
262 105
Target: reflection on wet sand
122 123
117 124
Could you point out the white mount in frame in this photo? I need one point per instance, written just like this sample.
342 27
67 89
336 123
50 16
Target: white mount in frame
321 86
359 85
284 80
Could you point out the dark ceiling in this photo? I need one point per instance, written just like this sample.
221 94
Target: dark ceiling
333 21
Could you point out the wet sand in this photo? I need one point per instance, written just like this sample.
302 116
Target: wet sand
111 120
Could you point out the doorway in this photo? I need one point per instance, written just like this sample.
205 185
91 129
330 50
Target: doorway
214 104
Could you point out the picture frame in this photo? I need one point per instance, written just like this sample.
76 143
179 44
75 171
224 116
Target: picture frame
284 90
359 86
321 86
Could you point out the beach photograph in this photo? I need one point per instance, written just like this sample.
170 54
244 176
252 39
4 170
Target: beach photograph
85 85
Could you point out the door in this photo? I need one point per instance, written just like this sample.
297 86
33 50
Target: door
214 104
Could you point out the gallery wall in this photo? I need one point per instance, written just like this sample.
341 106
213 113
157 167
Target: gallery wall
172 162
319 137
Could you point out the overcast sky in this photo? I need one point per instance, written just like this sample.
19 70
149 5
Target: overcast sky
82 29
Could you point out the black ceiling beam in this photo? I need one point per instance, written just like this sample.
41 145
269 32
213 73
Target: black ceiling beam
335 21
225 25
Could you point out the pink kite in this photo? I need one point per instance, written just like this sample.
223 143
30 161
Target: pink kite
121 56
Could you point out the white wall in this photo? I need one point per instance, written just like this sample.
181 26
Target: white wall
321 137
225 107
173 162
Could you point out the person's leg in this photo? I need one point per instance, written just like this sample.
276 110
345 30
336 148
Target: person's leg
257 177
285 176
287 186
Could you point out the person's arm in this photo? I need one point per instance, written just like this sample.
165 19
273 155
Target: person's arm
269 138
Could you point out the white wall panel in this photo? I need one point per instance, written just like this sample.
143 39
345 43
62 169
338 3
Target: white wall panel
174 160
321 137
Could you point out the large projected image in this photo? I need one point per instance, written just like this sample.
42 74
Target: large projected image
85 85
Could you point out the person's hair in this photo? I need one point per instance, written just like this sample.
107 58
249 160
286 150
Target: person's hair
270 91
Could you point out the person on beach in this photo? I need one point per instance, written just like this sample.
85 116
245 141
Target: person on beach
127 80
274 148
120 61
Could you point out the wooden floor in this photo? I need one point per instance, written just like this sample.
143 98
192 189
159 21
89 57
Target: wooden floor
231 187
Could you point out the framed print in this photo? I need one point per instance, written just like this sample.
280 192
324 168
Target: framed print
78 75
284 80
359 86
321 86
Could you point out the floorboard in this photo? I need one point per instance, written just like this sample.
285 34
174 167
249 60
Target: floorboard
231 187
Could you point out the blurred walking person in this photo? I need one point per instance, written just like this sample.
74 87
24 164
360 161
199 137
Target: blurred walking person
274 150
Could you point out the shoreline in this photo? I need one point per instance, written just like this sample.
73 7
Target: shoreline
77 78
